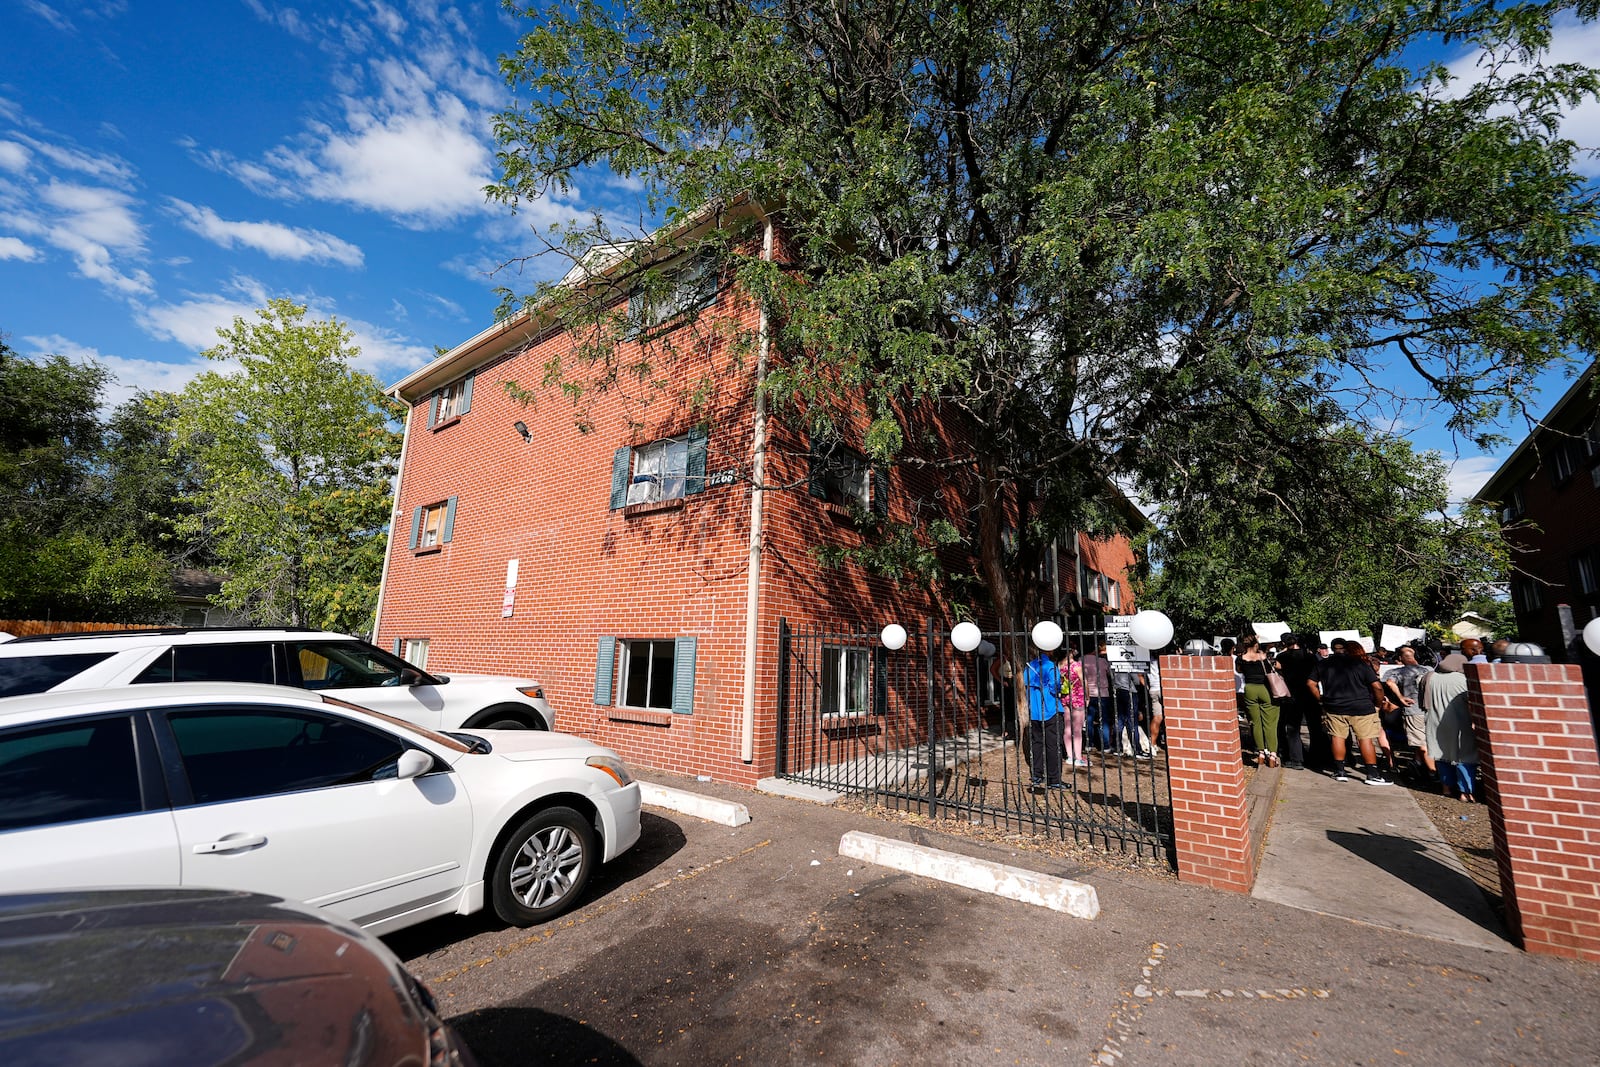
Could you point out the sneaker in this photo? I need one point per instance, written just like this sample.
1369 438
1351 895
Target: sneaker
1081 763
1142 755
1340 774
1377 777
1060 785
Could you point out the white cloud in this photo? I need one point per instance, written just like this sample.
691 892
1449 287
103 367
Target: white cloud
91 223
1468 475
1570 42
128 376
98 165
194 321
13 156
50 15
272 238
16 248
411 137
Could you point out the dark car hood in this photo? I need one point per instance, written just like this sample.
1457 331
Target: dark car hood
132 977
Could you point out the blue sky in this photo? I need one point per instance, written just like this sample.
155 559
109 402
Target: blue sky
165 167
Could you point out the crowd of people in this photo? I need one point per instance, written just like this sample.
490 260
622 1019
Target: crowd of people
1078 704
1308 706
1405 710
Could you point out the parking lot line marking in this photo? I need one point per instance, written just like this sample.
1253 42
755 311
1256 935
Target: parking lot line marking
545 933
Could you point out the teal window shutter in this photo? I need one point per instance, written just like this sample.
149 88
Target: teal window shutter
416 527
621 467
466 394
397 646
683 676
695 471
605 669
449 521
880 489
818 477
880 680
433 409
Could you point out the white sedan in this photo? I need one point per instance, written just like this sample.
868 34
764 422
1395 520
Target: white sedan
282 791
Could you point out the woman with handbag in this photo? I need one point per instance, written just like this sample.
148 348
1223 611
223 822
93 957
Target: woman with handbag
1254 666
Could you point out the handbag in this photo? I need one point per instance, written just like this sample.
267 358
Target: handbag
1275 684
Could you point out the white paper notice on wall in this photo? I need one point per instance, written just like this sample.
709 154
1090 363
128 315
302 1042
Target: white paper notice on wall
509 604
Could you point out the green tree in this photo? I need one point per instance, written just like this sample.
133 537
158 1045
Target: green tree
1388 551
296 451
60 556
1103 234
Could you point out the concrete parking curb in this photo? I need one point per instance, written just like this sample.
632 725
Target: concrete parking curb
710 809
1014 883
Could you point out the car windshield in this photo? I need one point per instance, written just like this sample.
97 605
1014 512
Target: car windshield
409 727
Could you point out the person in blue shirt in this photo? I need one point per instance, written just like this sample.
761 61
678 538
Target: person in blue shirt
1043 680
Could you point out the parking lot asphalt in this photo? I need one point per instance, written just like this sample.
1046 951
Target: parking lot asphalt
760 944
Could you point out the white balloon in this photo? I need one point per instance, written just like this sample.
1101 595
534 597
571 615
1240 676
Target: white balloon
1150 629
1047 635
1591 635
966 636
894 637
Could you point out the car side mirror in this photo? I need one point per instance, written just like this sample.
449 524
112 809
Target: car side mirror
413 762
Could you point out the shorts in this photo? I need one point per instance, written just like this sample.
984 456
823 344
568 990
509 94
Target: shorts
1365 726
1416 729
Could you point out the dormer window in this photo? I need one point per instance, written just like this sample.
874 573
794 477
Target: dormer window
687 284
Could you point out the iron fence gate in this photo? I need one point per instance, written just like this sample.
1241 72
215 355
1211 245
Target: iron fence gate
938 730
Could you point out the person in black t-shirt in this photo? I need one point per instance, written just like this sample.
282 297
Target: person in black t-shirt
1297 664
1351 696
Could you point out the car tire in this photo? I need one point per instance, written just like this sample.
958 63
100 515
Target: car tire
510 717
543 866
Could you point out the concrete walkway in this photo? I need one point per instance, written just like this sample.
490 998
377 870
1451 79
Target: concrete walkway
1370 854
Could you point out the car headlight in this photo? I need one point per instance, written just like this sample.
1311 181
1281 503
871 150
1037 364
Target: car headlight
612 766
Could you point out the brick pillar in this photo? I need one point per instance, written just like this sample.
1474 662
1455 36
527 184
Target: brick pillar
1536 753
1210 823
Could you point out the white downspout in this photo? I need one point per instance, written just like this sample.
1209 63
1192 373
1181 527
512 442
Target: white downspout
758 470
394 520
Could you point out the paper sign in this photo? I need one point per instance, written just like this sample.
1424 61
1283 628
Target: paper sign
1395 636
508 605
1269 632
1327 637
1124 655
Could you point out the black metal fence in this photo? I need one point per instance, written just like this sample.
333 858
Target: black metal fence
947 733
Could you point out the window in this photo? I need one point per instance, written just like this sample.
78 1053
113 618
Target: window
649 674
342 665
669 469
1586 572
658 471
840 475
67 772
20 675
451 402
213 663
687 284
1113 598
416 652
1561 462
237 753
845 678
1513 508
432 525
1525 595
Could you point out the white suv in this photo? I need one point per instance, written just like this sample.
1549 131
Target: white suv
330 663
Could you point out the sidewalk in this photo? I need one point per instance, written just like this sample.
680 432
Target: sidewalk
1370 854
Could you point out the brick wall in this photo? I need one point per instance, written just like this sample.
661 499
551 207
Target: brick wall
1210 822
1537 759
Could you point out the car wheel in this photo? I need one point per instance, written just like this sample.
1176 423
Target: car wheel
510 718
543 867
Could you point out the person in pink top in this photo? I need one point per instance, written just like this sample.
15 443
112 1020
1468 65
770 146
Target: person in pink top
1074 699
1097 687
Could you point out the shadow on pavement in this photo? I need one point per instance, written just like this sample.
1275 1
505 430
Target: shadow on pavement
516 1036
1408 861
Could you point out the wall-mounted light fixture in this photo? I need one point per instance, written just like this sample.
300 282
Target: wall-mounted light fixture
522 428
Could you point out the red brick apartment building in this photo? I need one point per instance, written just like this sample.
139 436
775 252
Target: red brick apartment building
1548 495
603 544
